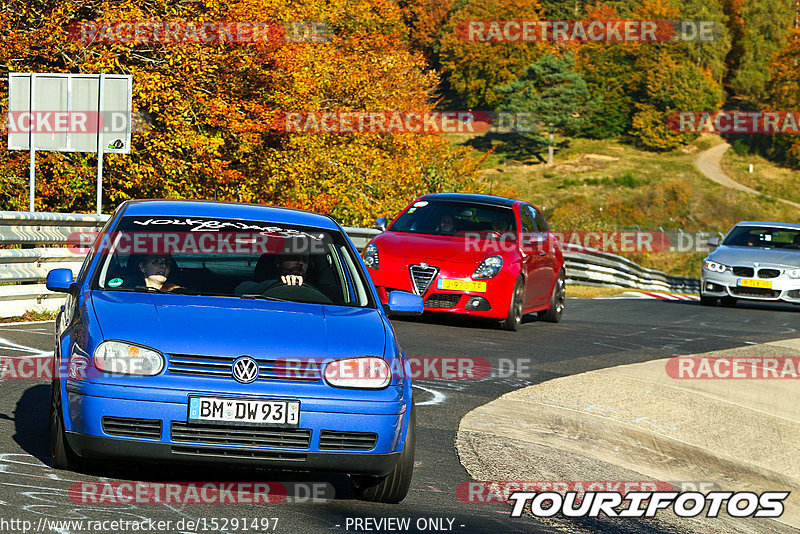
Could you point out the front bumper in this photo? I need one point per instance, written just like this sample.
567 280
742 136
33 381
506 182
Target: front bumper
494 303
301 448
351 463
726 284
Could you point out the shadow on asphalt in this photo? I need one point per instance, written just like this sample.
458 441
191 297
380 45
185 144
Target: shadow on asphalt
741 304
30 421
461 321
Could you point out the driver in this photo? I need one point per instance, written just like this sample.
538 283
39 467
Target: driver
447 224
290 268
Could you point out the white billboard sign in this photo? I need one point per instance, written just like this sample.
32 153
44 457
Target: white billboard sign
66 112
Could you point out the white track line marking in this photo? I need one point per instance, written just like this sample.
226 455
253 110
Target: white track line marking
438 397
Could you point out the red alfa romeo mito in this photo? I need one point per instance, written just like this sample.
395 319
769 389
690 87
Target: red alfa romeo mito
476 255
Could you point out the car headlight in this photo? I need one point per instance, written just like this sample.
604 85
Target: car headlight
368 372
126 359
715 267
371 256
488 268
794 273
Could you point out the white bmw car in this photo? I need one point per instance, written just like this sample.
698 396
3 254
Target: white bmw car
755 261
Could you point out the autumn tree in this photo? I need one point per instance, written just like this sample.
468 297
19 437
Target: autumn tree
213 108
425 20
555 96
638 84
760 30
474 69
784 94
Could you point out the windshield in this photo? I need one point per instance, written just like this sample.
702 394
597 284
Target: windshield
231 258
454 218
764 237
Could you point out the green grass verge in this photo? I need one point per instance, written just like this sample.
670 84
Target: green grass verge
610 185
767 177
30 316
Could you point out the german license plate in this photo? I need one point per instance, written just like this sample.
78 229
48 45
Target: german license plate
250 412
462 285
749 282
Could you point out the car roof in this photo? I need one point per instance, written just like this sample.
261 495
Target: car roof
472 197
772 224
227 210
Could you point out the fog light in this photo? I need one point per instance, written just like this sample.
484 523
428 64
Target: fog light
477 304
713 287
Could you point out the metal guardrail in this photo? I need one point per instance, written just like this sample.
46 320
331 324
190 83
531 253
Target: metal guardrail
591 267
23 270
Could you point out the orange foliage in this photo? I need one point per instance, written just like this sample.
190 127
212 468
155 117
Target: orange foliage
212 107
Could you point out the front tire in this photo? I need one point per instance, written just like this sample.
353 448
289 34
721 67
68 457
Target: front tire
708 301
556 310
63 457
392 488
514 318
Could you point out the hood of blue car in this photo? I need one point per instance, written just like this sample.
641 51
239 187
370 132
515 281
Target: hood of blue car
222 326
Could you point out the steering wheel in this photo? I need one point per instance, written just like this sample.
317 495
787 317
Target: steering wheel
304 293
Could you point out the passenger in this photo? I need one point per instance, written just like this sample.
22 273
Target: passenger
155 270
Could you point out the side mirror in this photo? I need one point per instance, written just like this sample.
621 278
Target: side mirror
404 304
381 223
59 280
713 242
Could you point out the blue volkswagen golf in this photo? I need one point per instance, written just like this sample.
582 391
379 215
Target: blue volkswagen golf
228 333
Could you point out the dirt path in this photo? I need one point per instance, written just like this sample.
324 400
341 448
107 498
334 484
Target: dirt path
708 163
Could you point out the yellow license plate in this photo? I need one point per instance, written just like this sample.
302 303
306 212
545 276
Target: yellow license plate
749 282
461 285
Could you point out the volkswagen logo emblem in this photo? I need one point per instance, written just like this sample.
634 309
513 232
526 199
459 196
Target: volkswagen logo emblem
245 369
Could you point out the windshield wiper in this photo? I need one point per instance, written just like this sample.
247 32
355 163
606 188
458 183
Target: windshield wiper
258 296
177 291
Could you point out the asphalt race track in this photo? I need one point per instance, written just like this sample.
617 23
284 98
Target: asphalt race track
594 334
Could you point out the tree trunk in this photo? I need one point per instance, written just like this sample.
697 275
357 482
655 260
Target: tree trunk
550 150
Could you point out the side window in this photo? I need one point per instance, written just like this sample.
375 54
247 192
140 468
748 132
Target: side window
526 220
541 224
